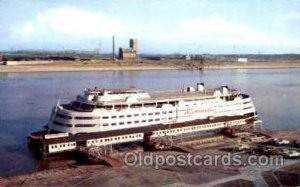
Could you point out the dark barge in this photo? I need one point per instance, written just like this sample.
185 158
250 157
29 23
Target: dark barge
55 142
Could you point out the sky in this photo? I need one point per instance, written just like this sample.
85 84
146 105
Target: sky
161 26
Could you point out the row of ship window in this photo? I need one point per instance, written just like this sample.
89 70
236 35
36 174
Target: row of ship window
139 135
63 145
77 117
136 115
158 132
77 125
117 138
161 132
112 117
119 107
135 122
192 128
112 124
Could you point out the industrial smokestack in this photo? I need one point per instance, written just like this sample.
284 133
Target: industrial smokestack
113 48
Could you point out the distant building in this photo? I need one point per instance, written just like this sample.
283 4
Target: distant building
129 53
243 60
188 57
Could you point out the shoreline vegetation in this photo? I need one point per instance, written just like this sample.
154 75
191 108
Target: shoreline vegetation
109 65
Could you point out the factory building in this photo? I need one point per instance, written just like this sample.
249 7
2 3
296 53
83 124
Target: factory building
127 53
131 52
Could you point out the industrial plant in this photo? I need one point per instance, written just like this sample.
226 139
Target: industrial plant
131 52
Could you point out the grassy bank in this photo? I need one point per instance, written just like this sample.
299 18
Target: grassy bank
65 66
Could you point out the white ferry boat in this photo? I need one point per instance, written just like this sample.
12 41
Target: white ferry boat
101 117
100 110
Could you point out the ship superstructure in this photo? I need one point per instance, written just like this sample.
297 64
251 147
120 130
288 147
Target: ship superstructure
106 117
99 110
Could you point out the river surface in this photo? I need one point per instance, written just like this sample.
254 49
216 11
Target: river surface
26 99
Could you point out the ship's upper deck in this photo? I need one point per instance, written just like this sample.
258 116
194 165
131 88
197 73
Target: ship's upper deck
132 95
103 91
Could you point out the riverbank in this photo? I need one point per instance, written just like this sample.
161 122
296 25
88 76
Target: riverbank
80 66
71 66
187 175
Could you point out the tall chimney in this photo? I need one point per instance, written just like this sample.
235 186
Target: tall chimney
113 48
